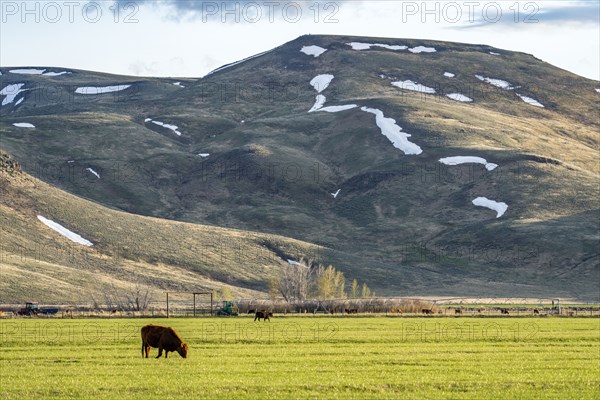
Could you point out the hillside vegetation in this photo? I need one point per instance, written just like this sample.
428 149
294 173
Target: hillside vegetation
251 157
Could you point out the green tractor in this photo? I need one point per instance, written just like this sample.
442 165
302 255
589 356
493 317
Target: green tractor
229 309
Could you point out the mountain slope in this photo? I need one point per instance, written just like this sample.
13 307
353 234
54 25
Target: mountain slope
128 251
405 223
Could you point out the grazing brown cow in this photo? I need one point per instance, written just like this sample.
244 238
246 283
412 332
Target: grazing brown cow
164 339
264 315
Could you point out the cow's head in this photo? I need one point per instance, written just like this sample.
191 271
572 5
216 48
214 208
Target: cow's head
183 350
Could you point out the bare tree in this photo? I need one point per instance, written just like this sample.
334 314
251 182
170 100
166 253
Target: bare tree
293 281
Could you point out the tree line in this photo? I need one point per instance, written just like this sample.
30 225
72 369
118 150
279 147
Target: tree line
309 280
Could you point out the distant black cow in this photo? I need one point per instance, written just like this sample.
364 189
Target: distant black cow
536 311
351 311
427 311
457 311
264 315
251 312
504 311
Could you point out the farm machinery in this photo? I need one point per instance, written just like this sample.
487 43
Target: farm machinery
33 309
229 309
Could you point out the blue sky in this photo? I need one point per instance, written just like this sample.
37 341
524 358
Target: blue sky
190 38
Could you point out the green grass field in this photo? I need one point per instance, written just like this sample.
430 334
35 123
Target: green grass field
305 357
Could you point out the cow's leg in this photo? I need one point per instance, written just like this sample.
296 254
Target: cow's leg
159 352
147 351
143 347
255 318
166 354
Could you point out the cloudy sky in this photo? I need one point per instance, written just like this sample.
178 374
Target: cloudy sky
190 38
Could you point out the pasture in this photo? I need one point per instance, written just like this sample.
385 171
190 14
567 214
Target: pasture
305 357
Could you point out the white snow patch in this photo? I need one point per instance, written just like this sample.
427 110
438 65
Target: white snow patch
320 100
393 132
315 51
494 54
597 90
11 92
93 172
203 155
335 195
422 49
531 101
500 208
148 120
292 262
72 236
449 75
367 46
236 63
496 82
57 73
24 125
468 159
27 71
459 97
19 101
178 84
320 82
71 161
168 126
334 109
100 90
416 87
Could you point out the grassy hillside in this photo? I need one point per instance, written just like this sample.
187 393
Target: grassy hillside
404 223
129 251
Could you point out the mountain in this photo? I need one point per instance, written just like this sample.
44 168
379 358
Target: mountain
360 187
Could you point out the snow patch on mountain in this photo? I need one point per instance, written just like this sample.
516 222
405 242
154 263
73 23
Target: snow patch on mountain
100 90
457 160
393 132
11 92
449 75
168 126
500 208
531 101
422 49
57 73
72 236
496 82
366 46
320 101
23 125
416 87
314 51
93 172
321 82
27 71
459 97
334 109
236 63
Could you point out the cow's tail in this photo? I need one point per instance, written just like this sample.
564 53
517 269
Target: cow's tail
143 348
